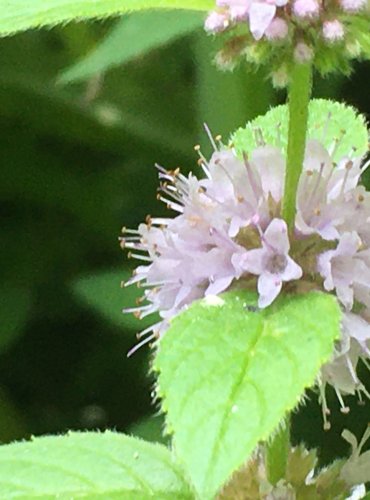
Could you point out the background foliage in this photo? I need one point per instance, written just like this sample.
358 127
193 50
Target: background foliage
78 144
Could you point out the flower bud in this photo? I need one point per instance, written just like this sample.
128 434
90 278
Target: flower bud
306 8
277 30
333 31
303 53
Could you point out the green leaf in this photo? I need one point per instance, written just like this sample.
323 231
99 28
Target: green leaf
151 429
328 122
228 375
94 465
15 307
20 15
103 293
133 37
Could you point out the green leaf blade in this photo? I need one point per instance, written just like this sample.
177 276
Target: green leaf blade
228 376
328 122
93 465
131 38
20 15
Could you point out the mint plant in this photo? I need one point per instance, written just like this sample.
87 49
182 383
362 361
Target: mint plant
260 279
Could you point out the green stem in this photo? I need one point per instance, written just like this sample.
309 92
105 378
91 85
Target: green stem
298 99
277 452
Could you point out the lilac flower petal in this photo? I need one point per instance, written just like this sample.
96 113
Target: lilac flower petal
317 158
270 163
260 16
219 285
252 261
292 271
268 288
276 235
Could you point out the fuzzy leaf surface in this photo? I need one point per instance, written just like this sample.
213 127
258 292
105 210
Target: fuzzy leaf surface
133 37
328 122
228 373
90 465
20 15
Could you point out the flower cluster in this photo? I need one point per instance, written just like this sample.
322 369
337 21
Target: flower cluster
342 479
329 32
228 230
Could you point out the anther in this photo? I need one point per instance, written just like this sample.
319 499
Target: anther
197 147
327 426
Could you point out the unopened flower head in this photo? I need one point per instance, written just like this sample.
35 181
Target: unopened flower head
280 28
228 230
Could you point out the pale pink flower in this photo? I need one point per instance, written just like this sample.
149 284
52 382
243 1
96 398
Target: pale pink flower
277 30
303 53
228 229
260 17
343 269
216 22
271 262
352 5
306 8
333 30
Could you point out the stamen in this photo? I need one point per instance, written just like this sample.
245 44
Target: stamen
171 204
332 150
365 166
364 390
351 370
137 310
325 128
125 230
364 438
324 407
148 330
366 362
163 173
208 132
252 180
160 221
258 137
278 135
348 167
141 344
138 256
316 185
343 407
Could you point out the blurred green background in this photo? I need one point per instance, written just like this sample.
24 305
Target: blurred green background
85 111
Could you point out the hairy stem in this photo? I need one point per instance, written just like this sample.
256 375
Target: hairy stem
298 99
276 453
